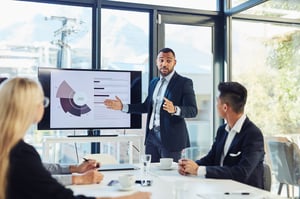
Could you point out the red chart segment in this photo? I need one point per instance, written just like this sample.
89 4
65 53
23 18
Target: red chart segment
66 95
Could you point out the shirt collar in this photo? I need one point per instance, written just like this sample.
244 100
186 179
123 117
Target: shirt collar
168 77
238 124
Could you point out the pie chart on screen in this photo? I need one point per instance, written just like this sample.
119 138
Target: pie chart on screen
71 101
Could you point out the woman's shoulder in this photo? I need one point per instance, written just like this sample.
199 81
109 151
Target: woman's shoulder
23 151
22 146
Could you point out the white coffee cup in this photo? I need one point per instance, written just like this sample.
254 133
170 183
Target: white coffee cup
166 163
127 180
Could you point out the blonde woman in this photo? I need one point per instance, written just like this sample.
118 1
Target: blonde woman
22 174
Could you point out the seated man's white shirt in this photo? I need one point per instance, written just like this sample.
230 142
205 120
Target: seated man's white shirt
201 172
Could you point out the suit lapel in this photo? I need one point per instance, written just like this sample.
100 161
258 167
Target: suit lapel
238 136
220 149
235 140
171 84
151 90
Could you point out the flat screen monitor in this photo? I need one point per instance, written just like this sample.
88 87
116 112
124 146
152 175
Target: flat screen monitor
77 98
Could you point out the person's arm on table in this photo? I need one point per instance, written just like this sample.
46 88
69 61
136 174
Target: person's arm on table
59 172
86 165
57 168
68 169
89 177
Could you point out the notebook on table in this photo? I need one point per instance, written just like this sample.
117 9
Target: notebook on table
117 167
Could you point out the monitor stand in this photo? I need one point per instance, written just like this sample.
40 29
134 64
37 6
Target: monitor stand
94 133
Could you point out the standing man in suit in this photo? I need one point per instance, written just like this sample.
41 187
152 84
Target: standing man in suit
238 150
171 98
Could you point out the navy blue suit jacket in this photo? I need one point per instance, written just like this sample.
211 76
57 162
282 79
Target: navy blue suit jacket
180 91
244 160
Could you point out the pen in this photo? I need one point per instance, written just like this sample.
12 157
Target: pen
237 193
97 163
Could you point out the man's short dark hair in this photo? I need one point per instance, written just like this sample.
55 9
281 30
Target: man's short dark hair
234 94
166 50
2 79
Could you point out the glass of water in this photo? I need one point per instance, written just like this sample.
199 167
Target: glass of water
146 161
192 153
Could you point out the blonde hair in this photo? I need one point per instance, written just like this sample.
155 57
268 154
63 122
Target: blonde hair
19 100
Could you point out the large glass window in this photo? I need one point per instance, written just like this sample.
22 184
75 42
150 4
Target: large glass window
285 9
237 2
125 46
195 60
36 35
194 4
125 42
271 74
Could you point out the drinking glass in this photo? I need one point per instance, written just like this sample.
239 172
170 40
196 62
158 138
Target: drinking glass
192 153
146 160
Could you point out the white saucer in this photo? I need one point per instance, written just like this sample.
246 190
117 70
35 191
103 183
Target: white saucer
166 168
126 188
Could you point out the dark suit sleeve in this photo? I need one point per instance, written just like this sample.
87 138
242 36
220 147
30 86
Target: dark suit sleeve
189 105
146 106
139 108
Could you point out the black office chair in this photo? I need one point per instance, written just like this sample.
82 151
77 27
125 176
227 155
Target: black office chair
285 160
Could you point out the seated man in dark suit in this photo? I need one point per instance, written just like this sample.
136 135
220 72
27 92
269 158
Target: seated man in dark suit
238 150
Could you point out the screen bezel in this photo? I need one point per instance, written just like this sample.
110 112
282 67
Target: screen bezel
44 76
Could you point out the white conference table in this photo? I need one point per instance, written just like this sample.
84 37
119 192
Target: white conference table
166 184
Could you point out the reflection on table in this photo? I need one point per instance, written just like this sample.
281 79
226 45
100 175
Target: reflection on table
168 184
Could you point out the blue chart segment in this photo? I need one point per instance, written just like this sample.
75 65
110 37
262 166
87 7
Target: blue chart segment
66 95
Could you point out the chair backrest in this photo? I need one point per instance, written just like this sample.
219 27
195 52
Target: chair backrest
102 158
283 161
267 177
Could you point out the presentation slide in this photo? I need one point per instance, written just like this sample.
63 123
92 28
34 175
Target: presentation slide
78 100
